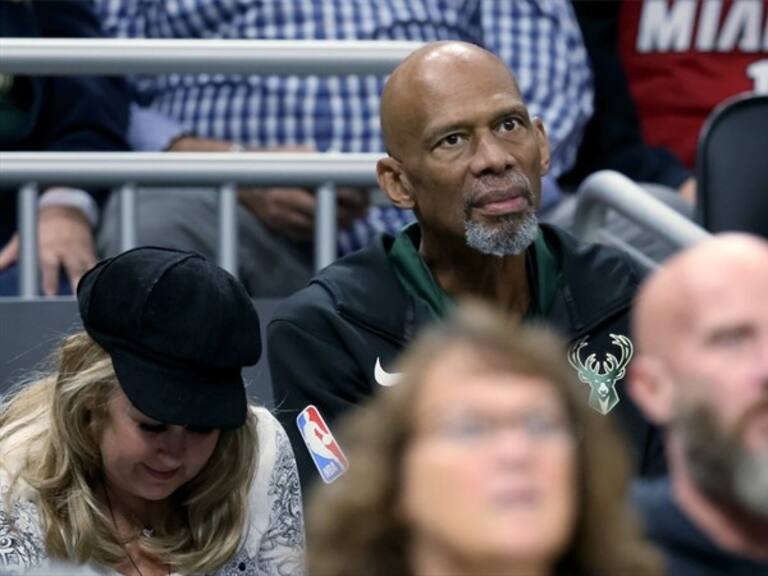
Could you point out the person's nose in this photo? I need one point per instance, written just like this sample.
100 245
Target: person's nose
173 445
491 155
512 445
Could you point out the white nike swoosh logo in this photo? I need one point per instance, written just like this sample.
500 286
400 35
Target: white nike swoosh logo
384 378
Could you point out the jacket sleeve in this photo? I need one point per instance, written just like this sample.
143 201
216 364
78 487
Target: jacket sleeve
80 113
613 138
85 113
307 369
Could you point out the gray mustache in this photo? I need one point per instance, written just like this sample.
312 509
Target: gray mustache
494 182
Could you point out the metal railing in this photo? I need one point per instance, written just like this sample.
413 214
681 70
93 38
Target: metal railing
192 168
199 168
75 56
608 190
600 192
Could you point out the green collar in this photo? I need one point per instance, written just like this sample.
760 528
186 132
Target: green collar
418 281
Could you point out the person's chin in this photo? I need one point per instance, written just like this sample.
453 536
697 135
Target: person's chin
155 493
520 548
159 484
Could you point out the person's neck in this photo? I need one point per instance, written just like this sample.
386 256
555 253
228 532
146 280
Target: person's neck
427 560
463 271
131 514
727 525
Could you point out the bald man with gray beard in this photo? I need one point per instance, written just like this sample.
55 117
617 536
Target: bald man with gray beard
701 371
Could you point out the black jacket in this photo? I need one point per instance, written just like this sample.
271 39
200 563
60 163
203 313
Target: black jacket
62 113
325 340
687 550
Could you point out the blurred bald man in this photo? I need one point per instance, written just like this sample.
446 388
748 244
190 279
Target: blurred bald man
701 370
465 155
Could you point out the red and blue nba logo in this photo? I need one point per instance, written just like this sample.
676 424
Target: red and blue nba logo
325 451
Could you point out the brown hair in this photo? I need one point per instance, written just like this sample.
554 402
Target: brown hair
353 526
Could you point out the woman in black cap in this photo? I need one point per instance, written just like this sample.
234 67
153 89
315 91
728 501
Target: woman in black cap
140 453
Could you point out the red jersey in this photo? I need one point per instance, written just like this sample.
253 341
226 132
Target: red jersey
683 57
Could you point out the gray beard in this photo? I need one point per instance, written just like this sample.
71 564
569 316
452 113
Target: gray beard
751 483
509 237
720 465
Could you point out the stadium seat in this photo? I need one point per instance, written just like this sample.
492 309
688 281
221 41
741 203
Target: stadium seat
732 166
30 330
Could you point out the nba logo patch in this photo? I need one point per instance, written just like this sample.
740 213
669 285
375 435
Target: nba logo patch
325 451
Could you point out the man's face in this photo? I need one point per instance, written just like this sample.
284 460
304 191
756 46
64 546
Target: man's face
473 158
721 366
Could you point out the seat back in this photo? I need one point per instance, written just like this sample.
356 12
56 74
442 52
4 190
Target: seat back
732 166
31 329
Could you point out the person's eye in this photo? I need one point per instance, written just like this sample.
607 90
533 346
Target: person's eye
732 337
152 428
544 426
510 124
450 141
466 429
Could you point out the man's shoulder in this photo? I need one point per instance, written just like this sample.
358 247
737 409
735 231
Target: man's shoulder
651 495
663 520
359 281
590 259
688 550
598 281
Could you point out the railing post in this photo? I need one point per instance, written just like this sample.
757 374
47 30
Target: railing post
228 233
127 216
588 220
325 225
27 230
607 189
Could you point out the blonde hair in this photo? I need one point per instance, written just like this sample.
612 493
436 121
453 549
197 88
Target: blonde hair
354 525
49 430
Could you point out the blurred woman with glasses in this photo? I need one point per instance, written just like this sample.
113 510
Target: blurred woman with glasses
485 459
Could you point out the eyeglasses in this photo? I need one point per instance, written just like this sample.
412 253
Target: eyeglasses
473 427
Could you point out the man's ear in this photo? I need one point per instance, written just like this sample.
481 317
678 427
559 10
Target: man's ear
393 180
543 144
652 387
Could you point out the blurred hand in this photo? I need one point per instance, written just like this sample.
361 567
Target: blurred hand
289 211
64 240
688 190
194 144
351 204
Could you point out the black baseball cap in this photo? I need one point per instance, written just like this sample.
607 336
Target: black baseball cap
179 330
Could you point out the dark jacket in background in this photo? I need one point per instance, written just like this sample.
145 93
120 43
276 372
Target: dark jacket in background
62 113
687 550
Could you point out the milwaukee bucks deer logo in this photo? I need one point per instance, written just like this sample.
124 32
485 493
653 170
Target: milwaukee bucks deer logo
602 376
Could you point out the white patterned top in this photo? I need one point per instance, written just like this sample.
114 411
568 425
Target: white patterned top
274 544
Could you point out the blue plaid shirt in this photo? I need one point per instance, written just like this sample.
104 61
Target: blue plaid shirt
538 39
